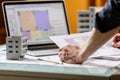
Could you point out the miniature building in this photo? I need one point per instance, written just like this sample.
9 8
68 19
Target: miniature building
85 19
16 47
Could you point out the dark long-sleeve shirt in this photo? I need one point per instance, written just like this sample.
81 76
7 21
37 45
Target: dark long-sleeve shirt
109 17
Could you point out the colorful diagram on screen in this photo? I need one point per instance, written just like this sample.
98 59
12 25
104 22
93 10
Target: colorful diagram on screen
35 24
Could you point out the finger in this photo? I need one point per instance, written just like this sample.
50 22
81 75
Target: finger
63 58
117 45
116 37
70 61
67 52
61 53
64 48
61 49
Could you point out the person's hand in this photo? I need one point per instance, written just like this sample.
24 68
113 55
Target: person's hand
116 41
70 54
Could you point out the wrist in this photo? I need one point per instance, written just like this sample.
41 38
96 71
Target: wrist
83 57
80 58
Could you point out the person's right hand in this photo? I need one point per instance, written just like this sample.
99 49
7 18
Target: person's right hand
116 41
68 51
71 54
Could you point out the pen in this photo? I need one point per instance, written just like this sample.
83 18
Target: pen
49 61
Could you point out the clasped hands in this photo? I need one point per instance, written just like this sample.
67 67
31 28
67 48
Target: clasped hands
71 54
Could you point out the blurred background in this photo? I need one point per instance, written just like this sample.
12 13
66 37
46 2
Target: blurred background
72 8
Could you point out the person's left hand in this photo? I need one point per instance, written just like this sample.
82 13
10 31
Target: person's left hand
116 41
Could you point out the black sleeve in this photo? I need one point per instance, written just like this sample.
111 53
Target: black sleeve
109 17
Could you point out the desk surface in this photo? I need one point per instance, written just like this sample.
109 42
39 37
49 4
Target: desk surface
60 71
32 71
53 72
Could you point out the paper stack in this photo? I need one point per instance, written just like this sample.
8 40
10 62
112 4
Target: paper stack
106 56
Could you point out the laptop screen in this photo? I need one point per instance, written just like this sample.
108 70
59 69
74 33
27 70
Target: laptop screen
37 20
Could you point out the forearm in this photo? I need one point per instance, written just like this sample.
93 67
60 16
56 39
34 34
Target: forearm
96 40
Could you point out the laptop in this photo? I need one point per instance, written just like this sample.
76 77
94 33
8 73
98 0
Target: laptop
37 20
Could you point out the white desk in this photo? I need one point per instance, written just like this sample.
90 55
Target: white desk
33 69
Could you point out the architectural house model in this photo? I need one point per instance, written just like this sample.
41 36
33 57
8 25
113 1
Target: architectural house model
16 47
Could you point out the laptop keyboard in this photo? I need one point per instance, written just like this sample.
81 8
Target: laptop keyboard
43 47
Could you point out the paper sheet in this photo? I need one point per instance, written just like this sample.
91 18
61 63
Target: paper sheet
73 39
102 63
106 52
